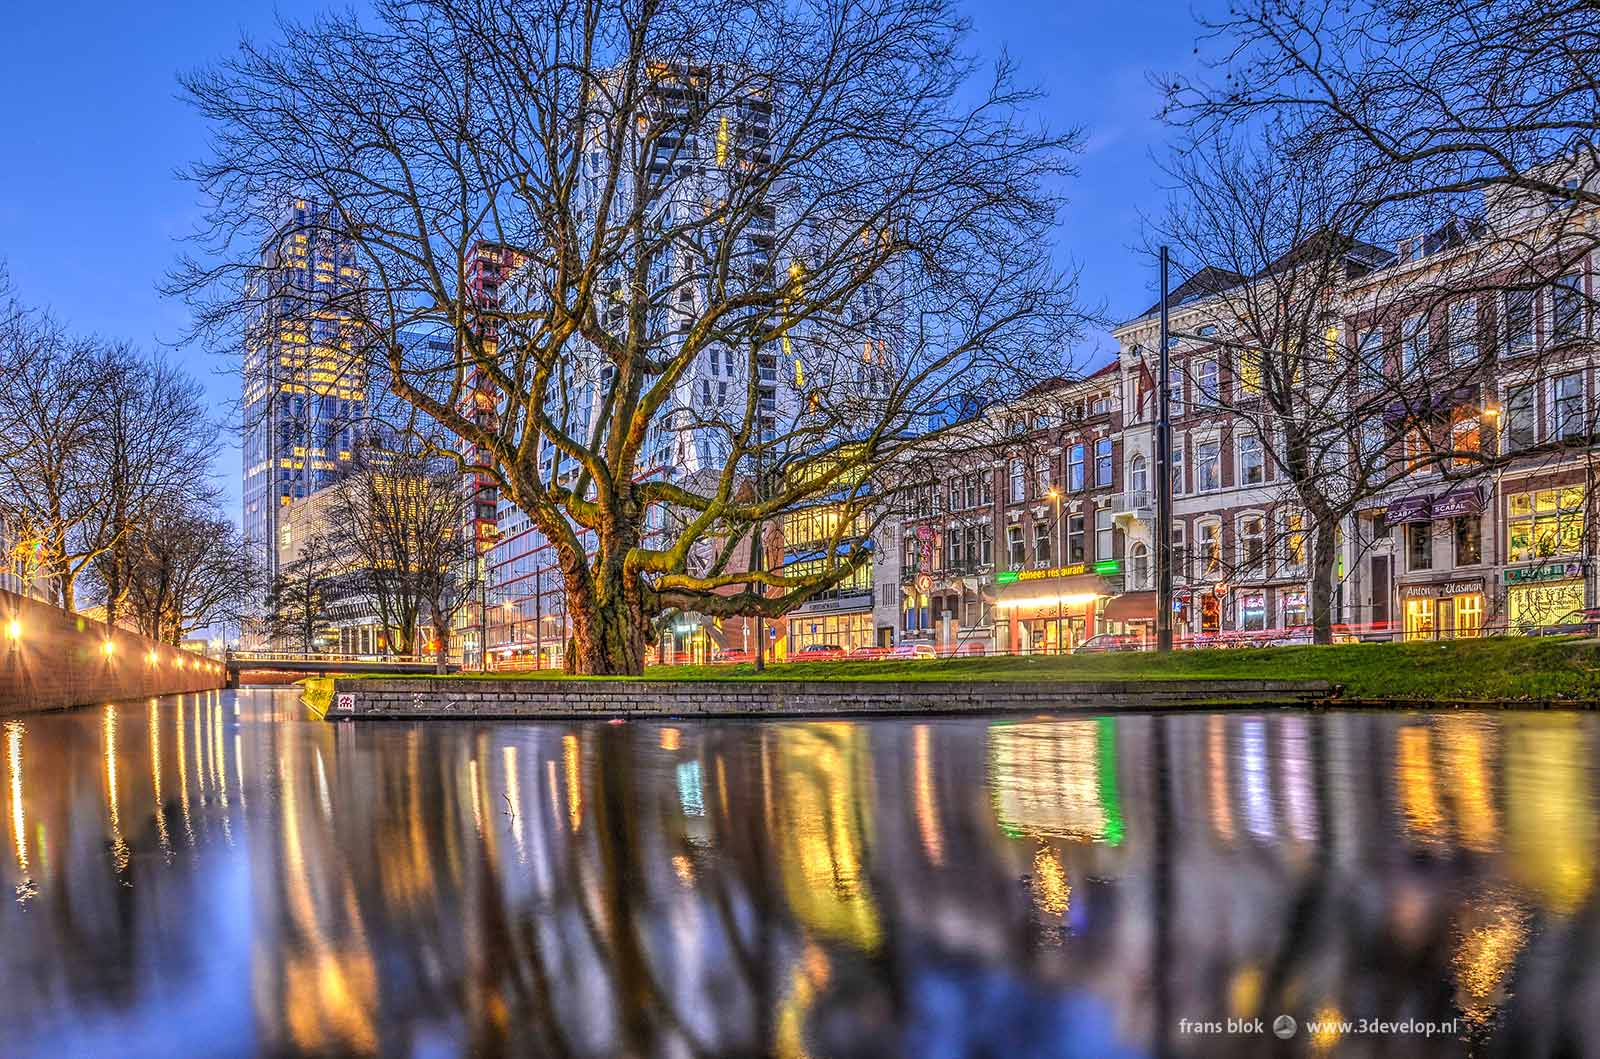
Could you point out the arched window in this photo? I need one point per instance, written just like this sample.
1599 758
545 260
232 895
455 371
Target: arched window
1138 474
1141 564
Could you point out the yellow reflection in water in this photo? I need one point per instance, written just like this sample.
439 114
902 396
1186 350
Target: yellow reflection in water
1413 772
1217 764
926 794
571 760
1050 888
120 855
19 819
822 836
514 801
1550 824
1485 956
810 977
1046 779
183 773
155 777
1466 750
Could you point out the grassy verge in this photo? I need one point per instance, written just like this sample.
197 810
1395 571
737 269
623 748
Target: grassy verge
1495 668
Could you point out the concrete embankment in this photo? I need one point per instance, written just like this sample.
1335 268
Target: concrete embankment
371 699
51 659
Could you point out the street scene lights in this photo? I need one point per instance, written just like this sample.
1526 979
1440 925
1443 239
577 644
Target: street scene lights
1055 497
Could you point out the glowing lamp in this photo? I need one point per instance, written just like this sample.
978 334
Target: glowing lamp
107 648
13 630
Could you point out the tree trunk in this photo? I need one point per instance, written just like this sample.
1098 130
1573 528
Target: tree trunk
608 638
1323 559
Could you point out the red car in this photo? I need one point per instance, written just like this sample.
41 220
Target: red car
818 652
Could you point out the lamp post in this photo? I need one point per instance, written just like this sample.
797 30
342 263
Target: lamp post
1055 495
1164 479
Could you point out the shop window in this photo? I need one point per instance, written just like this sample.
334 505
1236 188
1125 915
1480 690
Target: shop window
1294 608
1469 614
1253 611
1469 540
1208 466
1521 418
1014 547
1419 546
1519 321
1545 523
1252 466
1210 613
1075 467
1074 540
1102 463
1419 619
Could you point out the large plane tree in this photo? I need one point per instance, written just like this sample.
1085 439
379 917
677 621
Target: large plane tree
754 253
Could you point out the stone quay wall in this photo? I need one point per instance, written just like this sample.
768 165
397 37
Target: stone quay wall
51 659
411 698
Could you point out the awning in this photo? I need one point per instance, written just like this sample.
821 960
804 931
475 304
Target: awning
1131 606
1410 509
1062 590
1434 405
1461 500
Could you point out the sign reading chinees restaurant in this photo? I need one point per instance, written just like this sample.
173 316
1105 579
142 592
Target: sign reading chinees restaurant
1559 571
1040 575
1465 586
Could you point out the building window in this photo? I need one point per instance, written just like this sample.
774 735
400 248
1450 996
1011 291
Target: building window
1253 611
955 495
953 547
1180 552
1294 608
1074 540
1465 438
1177 466
1469 540
1566 309
1208 466
1521 418
1102 463
1294 541
1419 546
1014 549
985 543
1138 476
1370 350
1140 554
1249 366
1019 480
1413 343
1252 545
1566 407
1104 546
1464 332
1252 466
1041 475
1041 542
1205 381
1519 321
1075 468
1210 550
1545 523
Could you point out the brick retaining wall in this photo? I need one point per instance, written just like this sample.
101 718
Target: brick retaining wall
414 698
59 660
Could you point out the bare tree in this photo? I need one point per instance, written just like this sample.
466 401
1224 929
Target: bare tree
182 568
297 604
760 243
398 525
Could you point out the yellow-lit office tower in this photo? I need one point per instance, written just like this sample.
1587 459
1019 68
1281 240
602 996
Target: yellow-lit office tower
305 382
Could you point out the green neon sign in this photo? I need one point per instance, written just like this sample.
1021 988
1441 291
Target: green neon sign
1005 577
1108 566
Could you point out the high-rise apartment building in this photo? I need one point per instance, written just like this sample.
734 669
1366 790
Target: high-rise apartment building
305 385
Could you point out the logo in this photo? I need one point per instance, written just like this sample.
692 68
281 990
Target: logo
1283 1027
344 701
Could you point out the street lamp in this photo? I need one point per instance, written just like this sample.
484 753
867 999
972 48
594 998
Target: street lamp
1055 495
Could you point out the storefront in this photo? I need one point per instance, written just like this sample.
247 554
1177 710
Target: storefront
1541 594
1133 614
1047 611
828 624
1443 610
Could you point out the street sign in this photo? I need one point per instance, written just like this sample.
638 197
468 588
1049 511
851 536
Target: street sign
345 700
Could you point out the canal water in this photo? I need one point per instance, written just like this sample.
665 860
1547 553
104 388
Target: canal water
217 875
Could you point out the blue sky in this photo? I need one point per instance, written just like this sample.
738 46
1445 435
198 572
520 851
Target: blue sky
91 131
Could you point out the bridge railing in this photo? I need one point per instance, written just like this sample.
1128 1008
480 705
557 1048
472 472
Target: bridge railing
323 656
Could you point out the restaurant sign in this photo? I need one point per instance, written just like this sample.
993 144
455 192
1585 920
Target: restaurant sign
1556 571
1463 587
1007 577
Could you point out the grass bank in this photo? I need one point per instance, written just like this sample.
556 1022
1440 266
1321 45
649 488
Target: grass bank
1499 668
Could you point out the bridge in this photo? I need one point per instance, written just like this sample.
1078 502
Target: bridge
284 667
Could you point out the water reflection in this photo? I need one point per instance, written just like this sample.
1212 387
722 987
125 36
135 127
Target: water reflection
214 875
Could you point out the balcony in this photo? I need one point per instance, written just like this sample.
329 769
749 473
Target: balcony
1133 505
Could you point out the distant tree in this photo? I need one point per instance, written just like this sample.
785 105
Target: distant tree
298 603
820 199
186 567
398 523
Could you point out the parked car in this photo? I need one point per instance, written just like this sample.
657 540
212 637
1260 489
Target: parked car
731 657
913 651
969 647
1108 641
819 652
869 654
